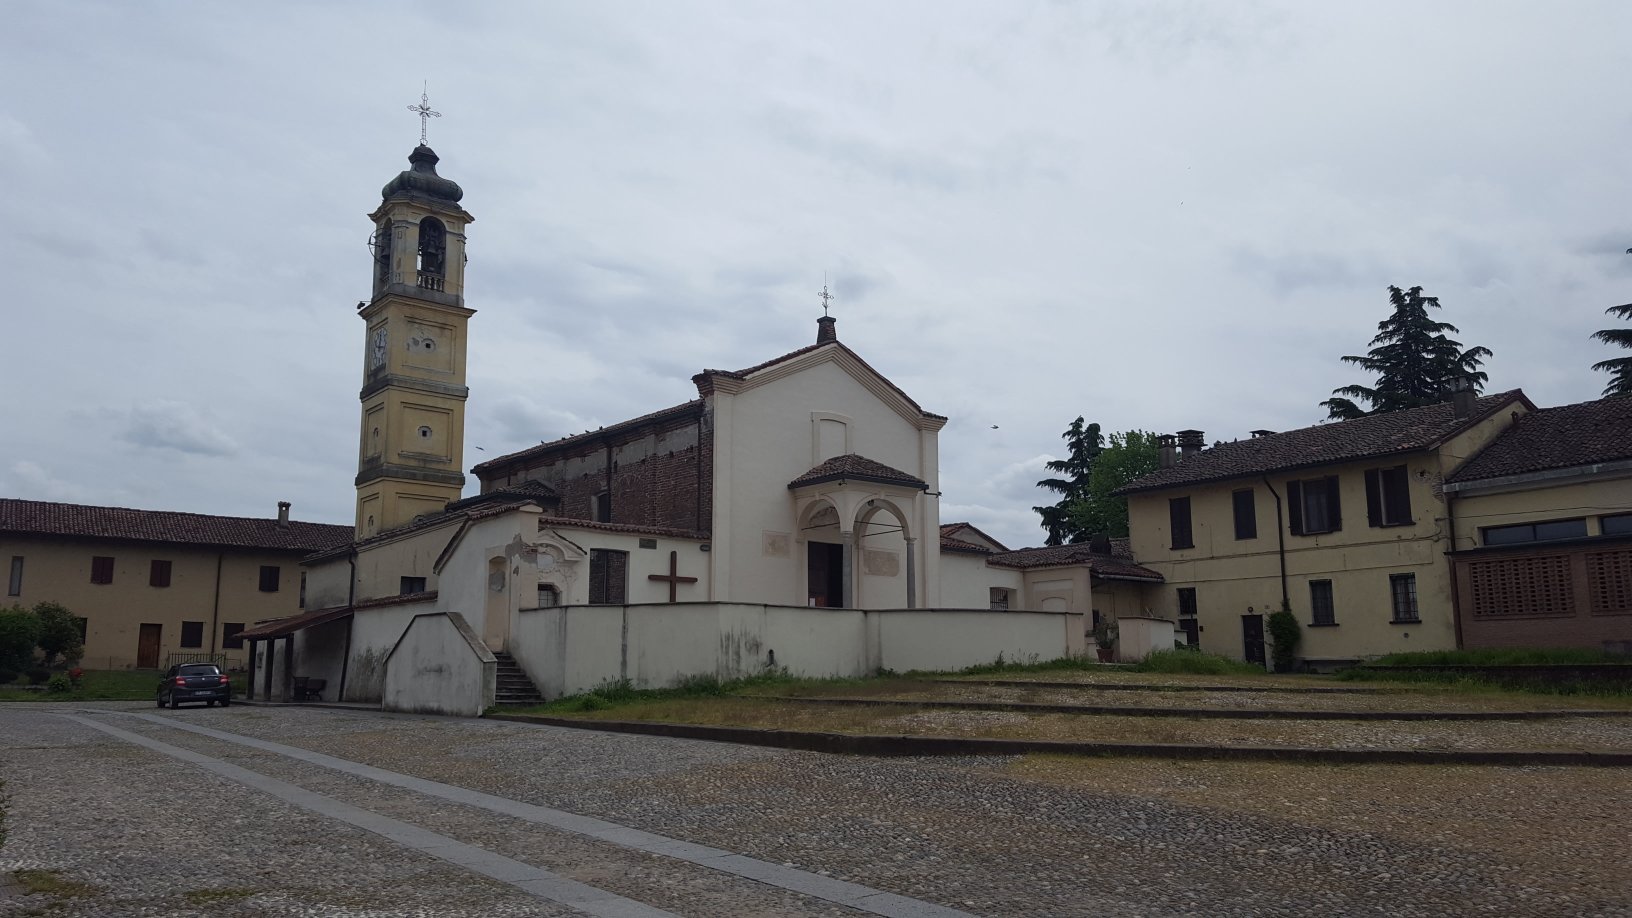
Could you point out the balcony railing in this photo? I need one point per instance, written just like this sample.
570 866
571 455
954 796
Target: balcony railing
431 281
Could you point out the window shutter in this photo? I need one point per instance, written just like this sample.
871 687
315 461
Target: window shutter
1294 506
1333 502
1374 497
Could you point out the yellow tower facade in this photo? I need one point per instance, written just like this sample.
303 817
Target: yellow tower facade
411 450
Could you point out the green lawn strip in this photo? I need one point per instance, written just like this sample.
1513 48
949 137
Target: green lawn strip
106 685
52 883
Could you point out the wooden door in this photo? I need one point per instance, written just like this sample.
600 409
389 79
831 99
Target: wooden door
147 646
826 581
1252 638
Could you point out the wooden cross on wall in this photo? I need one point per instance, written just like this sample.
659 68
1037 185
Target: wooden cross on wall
673 576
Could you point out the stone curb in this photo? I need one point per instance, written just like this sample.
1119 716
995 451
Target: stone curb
899 745
1165 687
1211 713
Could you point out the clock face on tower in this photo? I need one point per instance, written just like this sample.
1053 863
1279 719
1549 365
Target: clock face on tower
376 357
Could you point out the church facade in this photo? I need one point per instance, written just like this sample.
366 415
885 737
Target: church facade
787 516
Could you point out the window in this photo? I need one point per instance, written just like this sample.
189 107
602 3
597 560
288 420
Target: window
1535 532
601 511
192 634
1187 601
1320 603
1404 588
229 636
1313 506
1246 515
1611 525
608 575
101 570
411 585
302 589
1388 497
548 596
1178 516
999 599
270 574
14 587
158 574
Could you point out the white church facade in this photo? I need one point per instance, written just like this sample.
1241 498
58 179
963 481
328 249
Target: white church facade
786 517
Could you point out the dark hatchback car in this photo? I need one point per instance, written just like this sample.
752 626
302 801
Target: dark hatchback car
191 682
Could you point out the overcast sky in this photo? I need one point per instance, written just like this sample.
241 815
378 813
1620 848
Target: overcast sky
1157 215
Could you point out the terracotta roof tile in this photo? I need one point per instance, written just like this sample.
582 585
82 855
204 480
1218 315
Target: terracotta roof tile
955 530
1373 435
1556 438
1117 564
80 520
857 468
948 543
634 528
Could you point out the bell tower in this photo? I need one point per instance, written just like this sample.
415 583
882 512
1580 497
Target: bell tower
411 452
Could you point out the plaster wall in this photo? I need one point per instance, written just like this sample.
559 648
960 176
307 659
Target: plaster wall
575 649
382 565
374 632
967 582
1590 498
1138 636
59 570
439 667
328 583
769 433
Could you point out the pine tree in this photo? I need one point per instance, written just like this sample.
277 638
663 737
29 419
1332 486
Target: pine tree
1085 444
1618 368
1413 358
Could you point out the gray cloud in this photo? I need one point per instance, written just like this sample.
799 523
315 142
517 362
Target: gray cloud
176 426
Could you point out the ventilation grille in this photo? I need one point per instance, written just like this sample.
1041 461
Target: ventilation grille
1609 581
1522 586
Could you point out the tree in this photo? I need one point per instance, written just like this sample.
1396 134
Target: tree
1084 443
1618 368
1413 358
59 632
1130 455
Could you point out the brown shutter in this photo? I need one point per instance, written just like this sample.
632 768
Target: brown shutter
1374 497
1294 506
1333 502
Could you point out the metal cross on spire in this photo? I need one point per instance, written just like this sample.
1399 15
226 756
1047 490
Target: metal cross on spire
423 109
825 297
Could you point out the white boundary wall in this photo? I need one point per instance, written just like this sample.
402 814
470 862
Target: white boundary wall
439 666
573 649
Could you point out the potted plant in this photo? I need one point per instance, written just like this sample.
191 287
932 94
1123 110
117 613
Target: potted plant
1105 638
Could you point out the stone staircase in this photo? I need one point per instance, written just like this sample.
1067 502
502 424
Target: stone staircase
513 685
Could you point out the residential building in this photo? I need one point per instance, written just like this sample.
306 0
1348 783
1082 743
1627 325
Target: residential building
150 584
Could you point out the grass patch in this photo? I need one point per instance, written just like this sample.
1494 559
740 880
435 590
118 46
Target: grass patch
52 883
216 896
1001 666
1557 656
108 685
1189 662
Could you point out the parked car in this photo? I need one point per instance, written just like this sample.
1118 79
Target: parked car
195 682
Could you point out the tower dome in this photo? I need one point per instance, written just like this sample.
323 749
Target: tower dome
421 179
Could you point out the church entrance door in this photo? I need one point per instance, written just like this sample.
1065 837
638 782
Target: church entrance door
826 574
147 646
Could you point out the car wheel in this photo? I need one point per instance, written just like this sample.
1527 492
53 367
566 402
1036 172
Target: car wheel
226 702
161 701
174 703
210 703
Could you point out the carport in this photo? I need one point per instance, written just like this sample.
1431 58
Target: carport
285 629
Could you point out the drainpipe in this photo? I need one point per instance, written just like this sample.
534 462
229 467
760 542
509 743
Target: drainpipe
1280 540
1450 561
215 610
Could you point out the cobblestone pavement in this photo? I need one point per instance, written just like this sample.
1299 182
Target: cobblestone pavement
152 835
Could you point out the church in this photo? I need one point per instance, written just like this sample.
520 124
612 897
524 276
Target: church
786 517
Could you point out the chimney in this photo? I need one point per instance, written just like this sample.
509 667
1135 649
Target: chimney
827 329
1099 543
1256 434
1190 443
1462 397
1166 458
283 514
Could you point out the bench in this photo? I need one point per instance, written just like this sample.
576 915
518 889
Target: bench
309 689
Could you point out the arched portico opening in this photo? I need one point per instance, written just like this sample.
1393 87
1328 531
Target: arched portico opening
886 545
826 545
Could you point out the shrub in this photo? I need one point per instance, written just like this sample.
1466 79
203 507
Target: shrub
38 676
1284 634
59 684
19 632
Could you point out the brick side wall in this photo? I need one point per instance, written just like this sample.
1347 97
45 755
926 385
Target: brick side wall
659 474
1559 595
